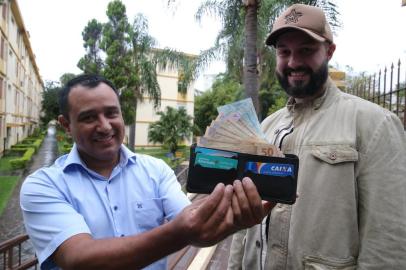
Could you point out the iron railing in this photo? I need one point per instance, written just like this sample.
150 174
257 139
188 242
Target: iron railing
385 88
11 252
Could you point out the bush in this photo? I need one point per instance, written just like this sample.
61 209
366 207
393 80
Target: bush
20 163
26 144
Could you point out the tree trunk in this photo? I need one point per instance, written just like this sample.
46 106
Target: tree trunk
131 138
250 54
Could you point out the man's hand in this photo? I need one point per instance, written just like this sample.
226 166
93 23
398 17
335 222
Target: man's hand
226 210
208 220
248 208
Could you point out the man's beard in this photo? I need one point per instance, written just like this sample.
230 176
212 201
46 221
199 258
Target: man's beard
316 82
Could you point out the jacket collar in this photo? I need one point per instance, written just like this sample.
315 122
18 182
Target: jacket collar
326 98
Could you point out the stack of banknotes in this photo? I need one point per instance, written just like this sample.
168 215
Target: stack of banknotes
237 128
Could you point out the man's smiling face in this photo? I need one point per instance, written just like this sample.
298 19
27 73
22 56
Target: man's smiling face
95 122
302 63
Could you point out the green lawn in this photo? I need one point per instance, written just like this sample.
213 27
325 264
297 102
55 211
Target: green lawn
5 164
7 185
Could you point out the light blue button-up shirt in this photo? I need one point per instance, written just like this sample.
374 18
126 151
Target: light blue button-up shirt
68 198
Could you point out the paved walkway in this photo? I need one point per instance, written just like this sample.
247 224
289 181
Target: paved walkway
11 223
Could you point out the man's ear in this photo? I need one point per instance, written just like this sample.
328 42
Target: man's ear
64 123
330 50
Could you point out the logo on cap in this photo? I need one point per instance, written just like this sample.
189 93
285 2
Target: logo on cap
293 17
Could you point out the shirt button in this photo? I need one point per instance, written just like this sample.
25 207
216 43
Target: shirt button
333 155
258 244
115 208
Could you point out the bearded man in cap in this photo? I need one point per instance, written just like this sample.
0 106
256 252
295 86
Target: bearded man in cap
351 207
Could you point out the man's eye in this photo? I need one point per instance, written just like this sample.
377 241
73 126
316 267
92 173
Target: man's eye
87 118
112 114
282 52
307 50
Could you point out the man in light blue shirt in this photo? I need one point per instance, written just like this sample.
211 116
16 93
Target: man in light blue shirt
104 207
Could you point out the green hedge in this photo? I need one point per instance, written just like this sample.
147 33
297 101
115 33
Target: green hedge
29 144
20 163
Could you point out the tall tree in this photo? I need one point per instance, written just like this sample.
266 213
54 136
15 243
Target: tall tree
131 60
224 90
127 62
92 61
49 103
66 77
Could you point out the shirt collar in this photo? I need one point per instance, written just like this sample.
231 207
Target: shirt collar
126 156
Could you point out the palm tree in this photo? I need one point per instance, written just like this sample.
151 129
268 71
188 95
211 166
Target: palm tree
173 127
241 40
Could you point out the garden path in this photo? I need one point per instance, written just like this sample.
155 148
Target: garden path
11 223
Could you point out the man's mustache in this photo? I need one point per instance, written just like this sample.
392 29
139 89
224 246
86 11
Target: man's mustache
288 71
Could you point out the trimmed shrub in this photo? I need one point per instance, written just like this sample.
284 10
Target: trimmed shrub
20 163
29 144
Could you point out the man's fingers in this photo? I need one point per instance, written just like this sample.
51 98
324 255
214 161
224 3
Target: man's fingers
236 209
253 198
218 214
241 197
208 205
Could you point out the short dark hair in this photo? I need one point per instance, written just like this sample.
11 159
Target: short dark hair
87 80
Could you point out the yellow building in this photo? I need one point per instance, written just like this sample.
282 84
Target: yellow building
170 97
338 77
20 82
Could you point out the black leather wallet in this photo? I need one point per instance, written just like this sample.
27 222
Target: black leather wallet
274 177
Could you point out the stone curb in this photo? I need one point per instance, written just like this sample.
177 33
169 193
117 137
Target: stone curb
202 258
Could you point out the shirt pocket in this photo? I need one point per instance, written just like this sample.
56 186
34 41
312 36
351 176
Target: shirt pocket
148 214
335 154
322 263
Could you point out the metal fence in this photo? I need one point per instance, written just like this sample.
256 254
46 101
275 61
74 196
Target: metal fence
387 88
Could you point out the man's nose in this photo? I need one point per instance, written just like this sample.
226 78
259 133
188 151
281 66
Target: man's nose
104 124
295 61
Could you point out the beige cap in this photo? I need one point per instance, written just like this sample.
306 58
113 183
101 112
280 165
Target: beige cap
308 19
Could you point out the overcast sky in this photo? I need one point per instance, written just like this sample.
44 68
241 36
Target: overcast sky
373 33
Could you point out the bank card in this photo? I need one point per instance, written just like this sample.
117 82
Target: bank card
215 152
215 162
273 169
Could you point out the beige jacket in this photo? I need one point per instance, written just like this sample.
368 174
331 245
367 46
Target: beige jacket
351 209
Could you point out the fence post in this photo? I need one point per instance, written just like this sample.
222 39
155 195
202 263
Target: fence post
379 87
369 88
373 88
404 105
398 90
391 87
384 86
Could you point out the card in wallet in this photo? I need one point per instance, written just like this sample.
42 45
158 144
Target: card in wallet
274 177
